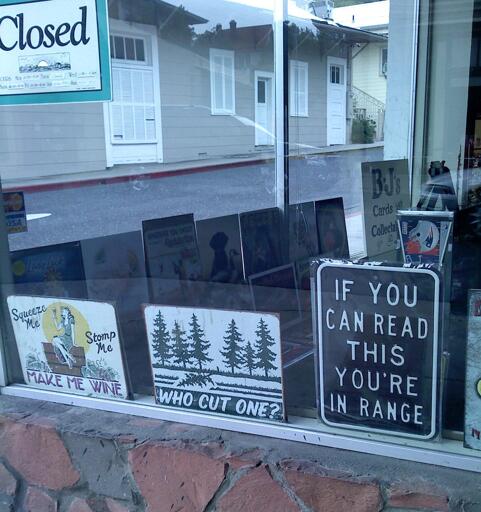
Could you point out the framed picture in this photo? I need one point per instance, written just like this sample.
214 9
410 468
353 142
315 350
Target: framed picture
331 228
220 249
261 240
115 270
53 270
425 236
171 253
303 239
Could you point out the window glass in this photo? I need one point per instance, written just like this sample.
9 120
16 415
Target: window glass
129 48
119 43
139 50
384 61
222 81
261 91
101 178
299 88
236 153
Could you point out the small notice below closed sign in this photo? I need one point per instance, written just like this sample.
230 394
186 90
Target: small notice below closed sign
54 51
378 347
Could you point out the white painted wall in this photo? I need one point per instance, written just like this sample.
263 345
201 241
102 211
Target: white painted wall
48 140
366 71
400 94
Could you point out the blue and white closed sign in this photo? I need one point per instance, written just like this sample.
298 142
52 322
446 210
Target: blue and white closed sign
54 51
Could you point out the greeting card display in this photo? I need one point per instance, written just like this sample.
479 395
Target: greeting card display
171 252
216 361
55 270
378 347
331 228
303 242
425 236
115 271
261 240
220 249
69 346
472 410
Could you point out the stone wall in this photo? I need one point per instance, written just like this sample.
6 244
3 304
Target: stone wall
68 459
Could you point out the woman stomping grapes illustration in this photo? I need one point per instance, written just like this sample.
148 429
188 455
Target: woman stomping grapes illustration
64 343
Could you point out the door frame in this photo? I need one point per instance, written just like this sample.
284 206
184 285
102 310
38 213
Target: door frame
270 75
342 62
148 33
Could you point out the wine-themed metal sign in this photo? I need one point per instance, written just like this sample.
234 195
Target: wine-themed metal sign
378 347
385 188
425 236
69 346
216 361
472 421
53 51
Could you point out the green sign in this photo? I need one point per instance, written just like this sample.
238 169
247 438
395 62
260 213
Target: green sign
54 51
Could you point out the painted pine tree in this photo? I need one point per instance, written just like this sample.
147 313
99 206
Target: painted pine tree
232 347
265 356
161 340
249 358
180 348
199 345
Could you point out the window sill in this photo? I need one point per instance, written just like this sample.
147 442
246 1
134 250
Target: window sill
444 452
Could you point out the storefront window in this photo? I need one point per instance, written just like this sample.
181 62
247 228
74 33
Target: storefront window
264 210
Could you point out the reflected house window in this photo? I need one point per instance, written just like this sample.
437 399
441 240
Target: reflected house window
383 70
127 48
222 81
336 75
299 74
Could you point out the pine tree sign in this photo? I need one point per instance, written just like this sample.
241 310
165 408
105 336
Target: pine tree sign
216 361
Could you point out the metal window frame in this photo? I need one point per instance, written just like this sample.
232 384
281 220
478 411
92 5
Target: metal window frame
446 453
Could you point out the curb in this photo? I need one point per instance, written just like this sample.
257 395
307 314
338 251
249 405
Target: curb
44 187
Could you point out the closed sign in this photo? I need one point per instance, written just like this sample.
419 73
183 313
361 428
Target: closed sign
54 51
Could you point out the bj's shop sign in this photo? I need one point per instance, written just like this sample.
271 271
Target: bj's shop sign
54 51
385 187
378 347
